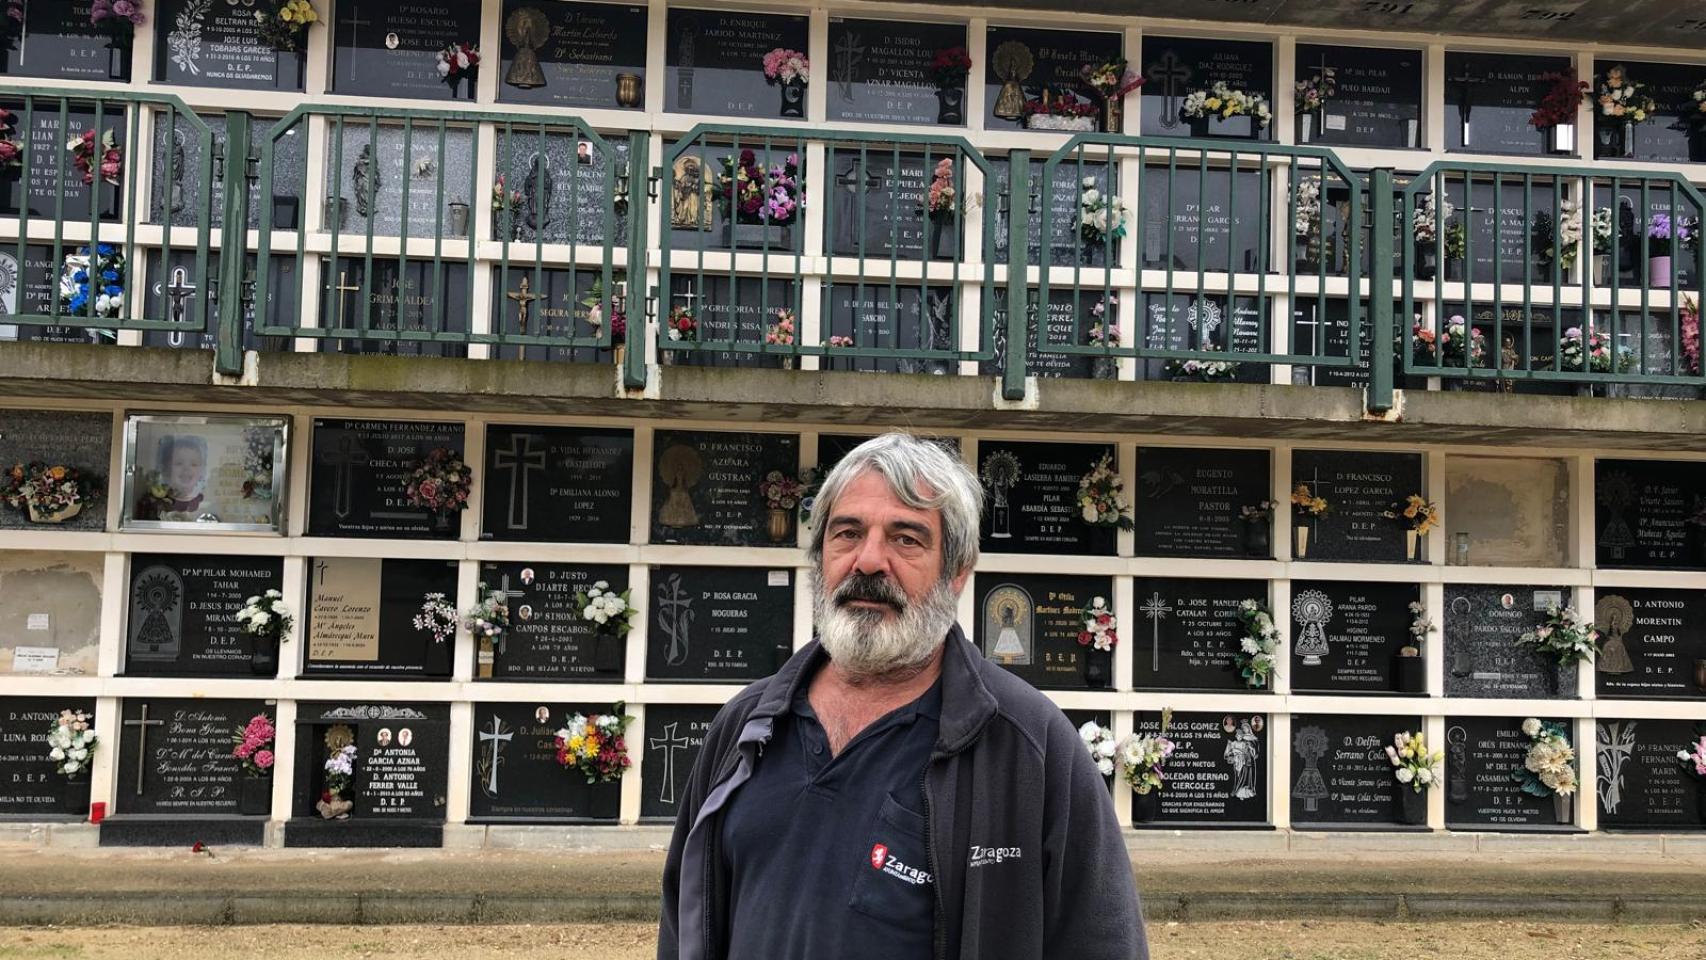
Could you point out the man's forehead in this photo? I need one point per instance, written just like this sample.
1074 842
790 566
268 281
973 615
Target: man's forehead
872 490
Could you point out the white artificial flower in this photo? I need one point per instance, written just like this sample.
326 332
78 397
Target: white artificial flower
1531 727
72 766
594 593
1405 775
58 754
1090 513
1425 775
1249 645
1089 731
601 585
1106 748
1105 767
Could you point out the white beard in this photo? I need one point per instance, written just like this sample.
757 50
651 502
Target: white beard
869 644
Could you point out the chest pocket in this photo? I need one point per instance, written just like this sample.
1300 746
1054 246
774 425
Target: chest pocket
894 884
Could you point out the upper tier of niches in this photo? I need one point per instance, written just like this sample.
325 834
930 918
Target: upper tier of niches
407 479
760 66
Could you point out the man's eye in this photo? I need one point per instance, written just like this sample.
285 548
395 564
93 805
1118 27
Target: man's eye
906 541
847 533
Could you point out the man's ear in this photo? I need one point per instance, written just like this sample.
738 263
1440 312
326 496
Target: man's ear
959 581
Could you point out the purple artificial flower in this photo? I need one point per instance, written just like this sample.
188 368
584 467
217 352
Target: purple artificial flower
1661 227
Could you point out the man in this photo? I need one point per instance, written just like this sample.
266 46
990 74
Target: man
889 793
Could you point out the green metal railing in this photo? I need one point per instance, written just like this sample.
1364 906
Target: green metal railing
1552 273
523 236
903 241
1200 310
80 249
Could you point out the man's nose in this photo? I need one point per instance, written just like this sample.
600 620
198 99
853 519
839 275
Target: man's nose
873 556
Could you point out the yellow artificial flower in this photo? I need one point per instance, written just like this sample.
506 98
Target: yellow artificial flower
1213 103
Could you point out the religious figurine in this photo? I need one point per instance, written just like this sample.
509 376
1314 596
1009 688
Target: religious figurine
679 468
689 200
1614 615
1013 64
1311 787
527 29
1242 751
1006 619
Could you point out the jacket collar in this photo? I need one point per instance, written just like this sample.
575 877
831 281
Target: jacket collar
967 703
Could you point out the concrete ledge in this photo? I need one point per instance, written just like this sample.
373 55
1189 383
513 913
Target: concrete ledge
1578 844
647 837
248 909
1424 906
868 401
1374 842
1233 842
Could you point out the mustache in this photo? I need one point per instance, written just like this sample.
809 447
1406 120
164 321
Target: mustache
872 588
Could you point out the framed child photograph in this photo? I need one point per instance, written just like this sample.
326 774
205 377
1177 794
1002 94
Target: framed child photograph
219 474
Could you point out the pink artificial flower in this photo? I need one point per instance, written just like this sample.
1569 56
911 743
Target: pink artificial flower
429 490
264 759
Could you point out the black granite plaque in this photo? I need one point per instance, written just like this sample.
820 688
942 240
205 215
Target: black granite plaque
1175 66
879 207
674 735
174 755
1666 134
879 70
566 184
1651 644
717 624
1185 632
1359 489
1482 757
1321 327
733 310
1650 513
558 484
515 774
176 292
1505 236
360 618
548 640
1029 625
1378 98
389 48
30 786
1633 225
1218 774
1180 321
1031 497
580 50
705 487
414 299
401 764
82 441
1344 635
1054 327
1187 500
702 218
1482 659
1213 221
1489 98
182 613
216 43
1054 59
58 42
1641 782
1339 769
559 303
359 476
52 187
1055 215
716 61
898 318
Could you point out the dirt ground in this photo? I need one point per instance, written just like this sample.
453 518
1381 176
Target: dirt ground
1291 940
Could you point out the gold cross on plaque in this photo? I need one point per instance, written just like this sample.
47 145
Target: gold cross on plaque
524 298
343 279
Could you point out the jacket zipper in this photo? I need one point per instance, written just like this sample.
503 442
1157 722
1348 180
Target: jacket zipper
941 936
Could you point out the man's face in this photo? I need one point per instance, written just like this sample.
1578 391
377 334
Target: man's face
881 602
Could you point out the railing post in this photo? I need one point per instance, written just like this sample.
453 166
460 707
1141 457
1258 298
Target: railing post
1380 318
640 195
1018 289
233 251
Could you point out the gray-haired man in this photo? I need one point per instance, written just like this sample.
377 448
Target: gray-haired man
889 793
